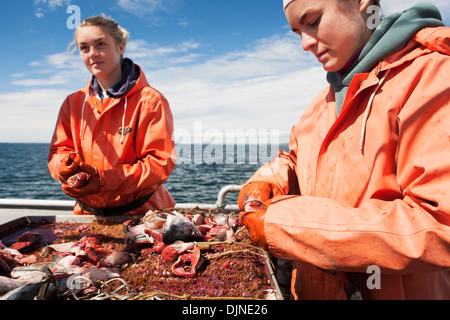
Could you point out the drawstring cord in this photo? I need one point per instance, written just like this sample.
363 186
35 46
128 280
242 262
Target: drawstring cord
82 115
368 108
123 121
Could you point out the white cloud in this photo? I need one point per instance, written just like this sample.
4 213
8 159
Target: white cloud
156 56
266 86
30 115
53 4
147 9
140 7
45 5
391 6
39 14
63 69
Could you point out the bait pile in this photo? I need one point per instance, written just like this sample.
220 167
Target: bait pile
191 254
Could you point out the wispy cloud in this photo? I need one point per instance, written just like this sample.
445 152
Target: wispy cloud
390 7
43 6
395 6
53 4
64 69
157 56
147 9
29 115
266 86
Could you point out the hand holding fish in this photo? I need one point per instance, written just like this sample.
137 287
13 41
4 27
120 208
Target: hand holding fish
253 195
85 183
254 221
69 166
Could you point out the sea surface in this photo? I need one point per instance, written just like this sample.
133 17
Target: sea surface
201 171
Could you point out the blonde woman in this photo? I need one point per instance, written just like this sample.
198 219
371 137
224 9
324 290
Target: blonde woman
116 131
361 201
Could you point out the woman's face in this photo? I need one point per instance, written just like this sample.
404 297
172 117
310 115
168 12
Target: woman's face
99 51
332 31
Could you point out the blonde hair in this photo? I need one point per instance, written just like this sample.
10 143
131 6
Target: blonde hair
119 34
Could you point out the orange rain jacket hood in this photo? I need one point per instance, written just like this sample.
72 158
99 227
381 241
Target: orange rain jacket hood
129 138
374 182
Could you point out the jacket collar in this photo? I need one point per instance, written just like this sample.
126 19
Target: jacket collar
390 37
133 79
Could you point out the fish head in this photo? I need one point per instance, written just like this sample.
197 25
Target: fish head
181 228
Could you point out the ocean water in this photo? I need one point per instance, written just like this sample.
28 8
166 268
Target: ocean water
201 171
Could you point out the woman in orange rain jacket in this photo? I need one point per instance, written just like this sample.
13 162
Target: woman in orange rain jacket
361 203
117 129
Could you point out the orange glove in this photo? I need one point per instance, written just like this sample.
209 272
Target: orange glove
69 166
253 195
92 186
254 221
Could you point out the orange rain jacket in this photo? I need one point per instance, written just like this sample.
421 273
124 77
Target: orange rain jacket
386 203
130 139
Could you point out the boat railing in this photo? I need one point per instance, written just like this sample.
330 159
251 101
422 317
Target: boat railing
67 205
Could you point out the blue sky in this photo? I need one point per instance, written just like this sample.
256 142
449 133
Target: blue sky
225 66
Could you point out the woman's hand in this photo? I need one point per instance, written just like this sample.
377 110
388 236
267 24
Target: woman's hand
253 195
69 166
91 187
254 221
